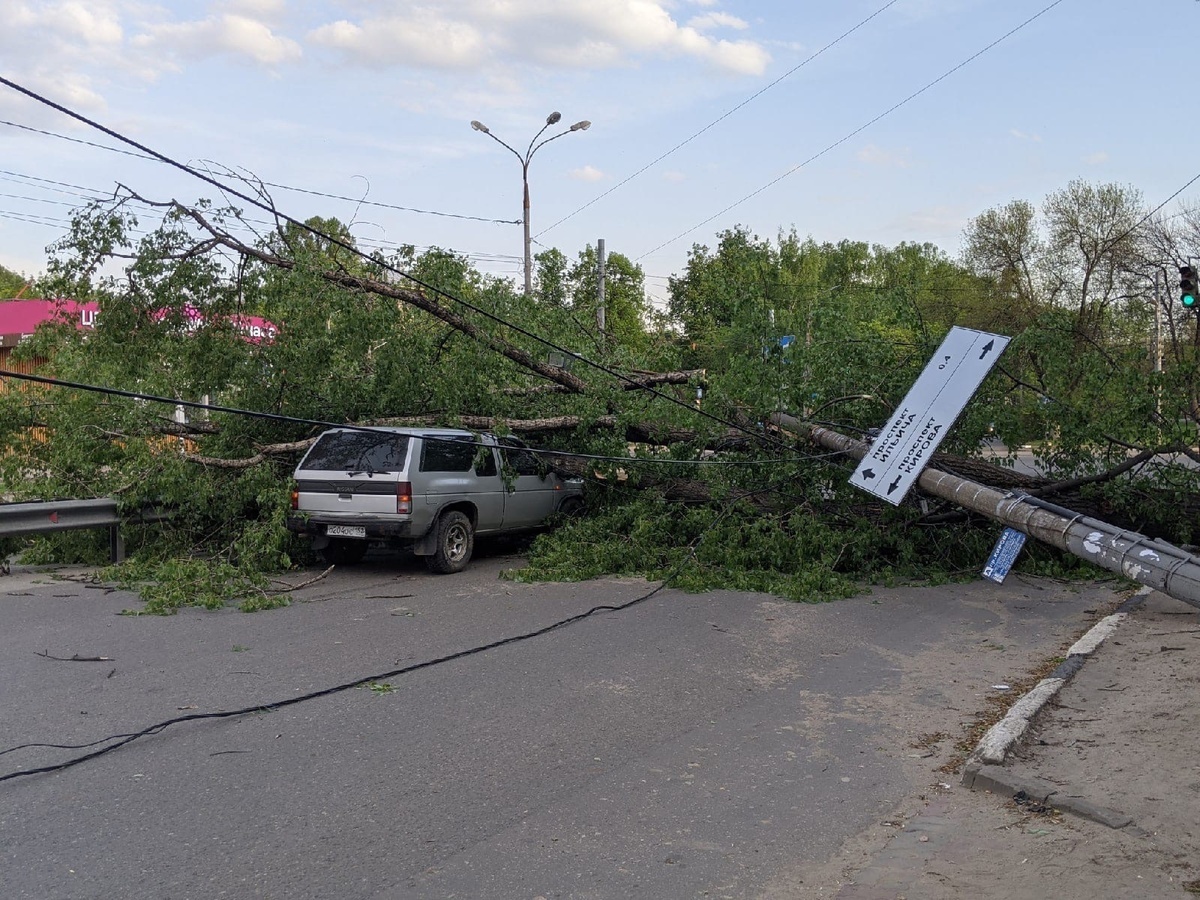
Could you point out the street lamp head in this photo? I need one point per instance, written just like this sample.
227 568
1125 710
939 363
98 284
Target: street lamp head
479 126
553 118
581 126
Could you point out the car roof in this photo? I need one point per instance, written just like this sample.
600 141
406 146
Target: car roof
413 432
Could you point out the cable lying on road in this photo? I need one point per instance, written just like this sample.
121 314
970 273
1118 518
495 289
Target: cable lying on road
123 739
127 738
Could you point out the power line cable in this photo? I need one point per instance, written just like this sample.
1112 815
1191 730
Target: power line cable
1146 218
96 196
300 420
858 130
21 178
129 737
724 115
34 219
365 202
73 140
40 200
256 202
150 156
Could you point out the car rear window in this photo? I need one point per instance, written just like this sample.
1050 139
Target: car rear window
358 451
447 454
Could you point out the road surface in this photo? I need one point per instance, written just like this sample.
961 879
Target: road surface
723 744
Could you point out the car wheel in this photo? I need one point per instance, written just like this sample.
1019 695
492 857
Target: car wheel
343 552
572 507
454 543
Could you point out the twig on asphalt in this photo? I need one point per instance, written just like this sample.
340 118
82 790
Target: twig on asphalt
78 658
296 587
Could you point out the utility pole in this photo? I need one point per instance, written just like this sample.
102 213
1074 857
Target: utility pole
1156 563
524 160
600 286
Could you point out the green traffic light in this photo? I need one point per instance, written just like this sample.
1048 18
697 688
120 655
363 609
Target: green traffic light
1189 286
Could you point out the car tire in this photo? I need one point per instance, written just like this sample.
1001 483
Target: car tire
344 552
453 543
571 508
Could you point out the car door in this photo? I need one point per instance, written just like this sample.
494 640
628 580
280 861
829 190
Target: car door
457 467
531 496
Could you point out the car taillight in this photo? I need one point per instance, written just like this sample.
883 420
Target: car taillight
404 497
295 497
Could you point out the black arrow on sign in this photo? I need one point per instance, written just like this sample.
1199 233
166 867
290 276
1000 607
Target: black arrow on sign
868 473
987 348
895 484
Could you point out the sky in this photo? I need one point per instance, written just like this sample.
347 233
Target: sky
866 120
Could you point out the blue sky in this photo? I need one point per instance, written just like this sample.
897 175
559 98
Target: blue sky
374 98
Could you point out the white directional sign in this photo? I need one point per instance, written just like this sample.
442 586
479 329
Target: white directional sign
913 433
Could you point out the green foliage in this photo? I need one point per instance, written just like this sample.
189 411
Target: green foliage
168 585
12 284
1070 284
801 553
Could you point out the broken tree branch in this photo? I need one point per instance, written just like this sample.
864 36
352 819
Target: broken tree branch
344 279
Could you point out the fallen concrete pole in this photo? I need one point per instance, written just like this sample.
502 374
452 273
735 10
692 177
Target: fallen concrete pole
1154 563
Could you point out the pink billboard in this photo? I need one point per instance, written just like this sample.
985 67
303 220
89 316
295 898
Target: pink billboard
19 319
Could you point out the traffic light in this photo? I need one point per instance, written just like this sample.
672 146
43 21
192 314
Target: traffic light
1189 287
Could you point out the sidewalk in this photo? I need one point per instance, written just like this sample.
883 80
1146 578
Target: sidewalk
1106 782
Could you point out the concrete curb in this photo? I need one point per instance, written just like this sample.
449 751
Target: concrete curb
1000 781
984 769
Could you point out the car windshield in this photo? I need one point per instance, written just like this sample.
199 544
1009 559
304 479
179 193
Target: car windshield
358 451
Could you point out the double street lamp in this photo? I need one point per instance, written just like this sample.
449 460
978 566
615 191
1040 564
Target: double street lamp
534 146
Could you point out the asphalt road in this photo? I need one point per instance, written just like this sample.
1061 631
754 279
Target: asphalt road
690 745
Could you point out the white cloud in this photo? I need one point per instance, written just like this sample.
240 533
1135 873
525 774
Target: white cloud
36 32
423 40
713 20
1022 136
255 9
51 47
93 24
587 34
1096 159
877 156
71 89
77 50
587 173
227 34
674 177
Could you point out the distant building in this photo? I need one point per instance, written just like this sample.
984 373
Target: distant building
20 318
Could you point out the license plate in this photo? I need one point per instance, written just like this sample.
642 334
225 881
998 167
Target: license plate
357 531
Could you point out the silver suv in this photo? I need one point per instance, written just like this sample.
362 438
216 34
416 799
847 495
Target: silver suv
430 489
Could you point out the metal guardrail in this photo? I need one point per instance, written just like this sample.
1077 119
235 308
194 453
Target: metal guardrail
63 515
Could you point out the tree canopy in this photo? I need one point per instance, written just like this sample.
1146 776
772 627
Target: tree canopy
11 284
667 414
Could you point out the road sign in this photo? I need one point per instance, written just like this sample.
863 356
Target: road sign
915 430
1004 554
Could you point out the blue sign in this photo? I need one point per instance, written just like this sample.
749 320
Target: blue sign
1004 554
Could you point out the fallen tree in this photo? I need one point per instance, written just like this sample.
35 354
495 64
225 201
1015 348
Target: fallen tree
356 345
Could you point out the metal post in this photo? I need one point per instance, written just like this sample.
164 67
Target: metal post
533 148
528 240
1157 327
600 285
1160 565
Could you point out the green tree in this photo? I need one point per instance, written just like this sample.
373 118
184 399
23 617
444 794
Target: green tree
626 311
12 284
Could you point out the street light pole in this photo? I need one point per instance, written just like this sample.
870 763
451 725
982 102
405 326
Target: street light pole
534 146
